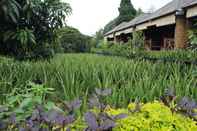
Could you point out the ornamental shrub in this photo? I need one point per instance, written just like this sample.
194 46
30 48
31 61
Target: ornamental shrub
153 116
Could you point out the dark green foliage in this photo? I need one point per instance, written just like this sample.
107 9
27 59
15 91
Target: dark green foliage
35 114
98 37
137 41
126 13
109 26
139 12
73 41
28 27
28 110
9 9
192 34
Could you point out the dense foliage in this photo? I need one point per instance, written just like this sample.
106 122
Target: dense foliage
135 48
97 38
33 113
192 34
73 41
89 92
28 27
126 13
75 75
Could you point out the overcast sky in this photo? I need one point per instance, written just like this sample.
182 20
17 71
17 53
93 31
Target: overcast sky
90 15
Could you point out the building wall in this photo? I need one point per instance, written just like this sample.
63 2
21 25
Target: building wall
126 31
191 12
165 20
168 28
156 36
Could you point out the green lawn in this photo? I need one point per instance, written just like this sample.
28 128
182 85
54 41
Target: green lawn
77 75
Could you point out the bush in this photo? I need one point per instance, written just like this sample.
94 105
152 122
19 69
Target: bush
134 47
175 55
153 116
137 42
192 34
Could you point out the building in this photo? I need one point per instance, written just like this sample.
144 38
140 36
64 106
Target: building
165 28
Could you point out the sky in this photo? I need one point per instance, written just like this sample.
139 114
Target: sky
91 15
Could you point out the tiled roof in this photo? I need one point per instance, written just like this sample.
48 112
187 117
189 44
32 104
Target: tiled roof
125 25
117 28
134 21
169 8
186 3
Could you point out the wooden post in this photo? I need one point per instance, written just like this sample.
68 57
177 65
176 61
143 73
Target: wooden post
181 30
115 38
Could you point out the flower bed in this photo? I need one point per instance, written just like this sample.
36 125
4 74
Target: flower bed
33 114
153 116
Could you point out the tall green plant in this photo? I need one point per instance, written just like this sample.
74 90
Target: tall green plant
9 9
193 36
137 41
76 75
32 21
25 38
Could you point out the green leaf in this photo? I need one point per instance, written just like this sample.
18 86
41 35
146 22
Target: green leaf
26 103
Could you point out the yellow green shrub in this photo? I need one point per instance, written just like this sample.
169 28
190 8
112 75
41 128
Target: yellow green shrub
152 117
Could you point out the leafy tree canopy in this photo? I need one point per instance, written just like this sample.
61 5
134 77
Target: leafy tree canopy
73 41
126 13
27 26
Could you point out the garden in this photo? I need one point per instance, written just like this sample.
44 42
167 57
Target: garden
100 84
54 78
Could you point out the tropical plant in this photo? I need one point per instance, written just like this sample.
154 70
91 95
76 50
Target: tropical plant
100 120
24 37
192 34
42 95
185 105
9 9
35 18
75 75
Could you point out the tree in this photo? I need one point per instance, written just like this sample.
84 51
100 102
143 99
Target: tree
126 13
139 12
109 26
73 41
98 37
29 26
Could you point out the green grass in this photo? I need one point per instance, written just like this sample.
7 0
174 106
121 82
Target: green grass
179 55
77 75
